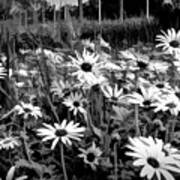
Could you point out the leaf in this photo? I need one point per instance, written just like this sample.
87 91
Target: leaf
96 130
10 173
22 178
120 113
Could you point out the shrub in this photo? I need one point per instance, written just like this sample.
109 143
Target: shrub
120 34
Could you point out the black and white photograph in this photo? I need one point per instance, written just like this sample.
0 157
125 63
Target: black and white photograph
89 89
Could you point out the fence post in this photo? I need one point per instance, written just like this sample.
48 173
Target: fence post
99 14
147 9
80 5
121 13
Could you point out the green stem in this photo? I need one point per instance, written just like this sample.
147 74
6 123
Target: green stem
137 119
63 162
26 148
173 128
167 133
115 162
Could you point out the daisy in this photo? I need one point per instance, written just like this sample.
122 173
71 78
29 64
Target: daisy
27 109
170 41
173 152
22 72
88 44
3 71
168 102
112 93
158 66
145 98
149 155
98 81
134 61
60 88
103 43
9 142
75 103
64 132
127 55
91 155
163 86
88 67
3 58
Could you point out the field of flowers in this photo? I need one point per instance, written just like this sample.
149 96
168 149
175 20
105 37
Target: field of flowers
91 112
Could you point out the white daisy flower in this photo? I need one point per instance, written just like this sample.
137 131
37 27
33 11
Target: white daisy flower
91 155
133 61
173 152
87 68
127 55
3 71
170 41
87 43
145 98
60 88
149 155
158 66
112 93
163 86
9 143
27 109
168 102
64 132
22 72
75 103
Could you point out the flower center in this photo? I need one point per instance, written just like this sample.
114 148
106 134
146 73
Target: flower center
174 43
87 67
114 98
60 132
160 85
7 141
177 94
147 103
153 162
27 110
142 64
90 157
76 104
171 105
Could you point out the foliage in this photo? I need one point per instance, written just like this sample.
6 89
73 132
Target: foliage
119 34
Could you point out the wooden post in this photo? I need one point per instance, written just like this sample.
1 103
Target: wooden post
121 13
80 5
147 9
99 14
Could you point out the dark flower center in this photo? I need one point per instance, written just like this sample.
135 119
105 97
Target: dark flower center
114 98
174 43
60 132
171 105
76 104
87 67
177 94
153 162
142 64
7 141
160 85
147 103
90 157
27 110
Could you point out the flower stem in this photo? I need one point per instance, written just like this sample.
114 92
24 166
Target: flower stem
63 162
173 128
167 133
115 162
137 119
